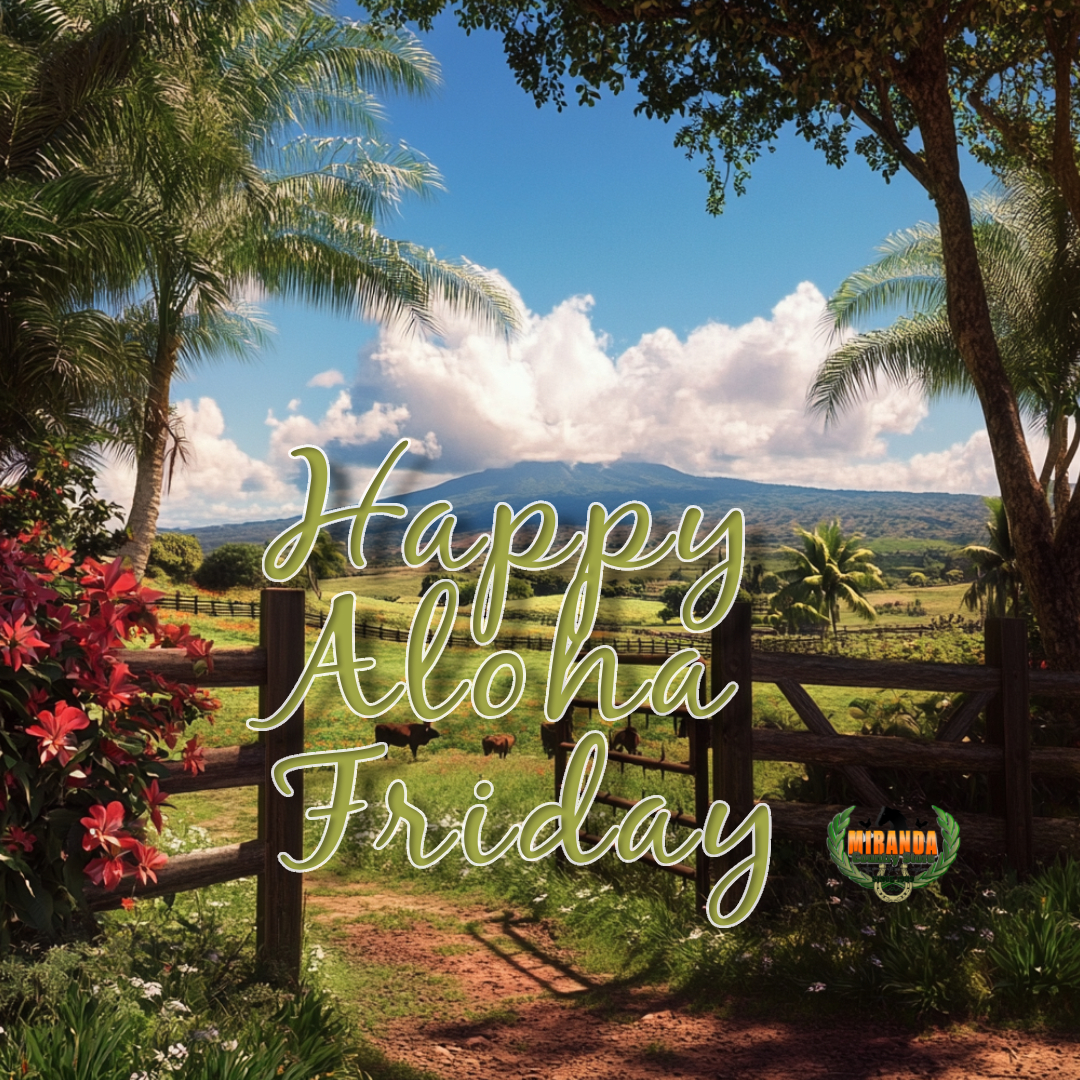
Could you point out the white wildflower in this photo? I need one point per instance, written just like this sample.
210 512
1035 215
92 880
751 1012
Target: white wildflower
869 931
815 988
229 1045
540 899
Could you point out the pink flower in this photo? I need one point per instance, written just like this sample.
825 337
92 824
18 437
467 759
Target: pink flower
104 828
148 860
107 872
19 643
53 730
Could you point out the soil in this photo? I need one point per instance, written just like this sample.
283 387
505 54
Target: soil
527 1012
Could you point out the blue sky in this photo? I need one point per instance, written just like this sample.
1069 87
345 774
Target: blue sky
588 202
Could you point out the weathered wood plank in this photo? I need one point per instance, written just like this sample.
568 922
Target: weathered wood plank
858 776
193 870
959 724
885 751
633 759
897 674
245 666
226 767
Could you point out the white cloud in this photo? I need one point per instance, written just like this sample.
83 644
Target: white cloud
724 401
220 483
331 377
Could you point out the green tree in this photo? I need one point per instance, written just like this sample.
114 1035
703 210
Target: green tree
248 185
829 570
901 85
177 554
231 565
1029 252
997 585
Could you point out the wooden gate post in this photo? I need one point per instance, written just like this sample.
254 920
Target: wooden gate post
564 732
1008 725
698 731
732 726
279 910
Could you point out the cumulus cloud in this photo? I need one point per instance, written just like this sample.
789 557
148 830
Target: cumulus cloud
329 378
726 400
220 483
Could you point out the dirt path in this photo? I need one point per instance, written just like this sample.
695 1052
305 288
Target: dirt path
520 1010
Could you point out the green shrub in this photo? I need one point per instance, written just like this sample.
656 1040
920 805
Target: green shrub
917 580
177 554
231 565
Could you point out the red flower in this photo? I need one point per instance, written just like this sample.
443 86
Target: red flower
107 582
17 837
194 757
198 649
53 730
128 903
156 798
104 828
59 560
19 643
107 872
148 860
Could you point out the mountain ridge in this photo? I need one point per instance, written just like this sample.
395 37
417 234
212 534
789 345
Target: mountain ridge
771 510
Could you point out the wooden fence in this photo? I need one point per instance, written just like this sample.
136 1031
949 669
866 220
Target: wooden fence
274 666
1001 687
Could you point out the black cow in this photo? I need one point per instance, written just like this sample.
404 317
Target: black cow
549 736
411 735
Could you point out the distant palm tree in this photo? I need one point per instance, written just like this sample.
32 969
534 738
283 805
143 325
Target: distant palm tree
248 189
830 570
1029 252
997 584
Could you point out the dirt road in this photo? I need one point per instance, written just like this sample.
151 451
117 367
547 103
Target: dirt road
515 1007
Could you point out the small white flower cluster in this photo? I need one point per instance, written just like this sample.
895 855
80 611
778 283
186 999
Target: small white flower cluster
317 957
150 990
815 988
173 1059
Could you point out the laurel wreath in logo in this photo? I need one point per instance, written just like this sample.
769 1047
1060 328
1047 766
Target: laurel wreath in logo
950 847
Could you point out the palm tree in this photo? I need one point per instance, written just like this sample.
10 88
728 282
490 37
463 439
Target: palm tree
244 188
830 570
71 83
997 585
1029 251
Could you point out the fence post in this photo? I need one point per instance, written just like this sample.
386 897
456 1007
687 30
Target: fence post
732 727
281 820
698 731
564 732
1008 725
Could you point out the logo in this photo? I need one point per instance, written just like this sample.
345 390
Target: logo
893 848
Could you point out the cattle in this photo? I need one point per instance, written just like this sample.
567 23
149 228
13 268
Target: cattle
498 744
628 739
411 735
549 736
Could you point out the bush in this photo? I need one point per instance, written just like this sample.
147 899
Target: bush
81 740
177 554
231 565
917 580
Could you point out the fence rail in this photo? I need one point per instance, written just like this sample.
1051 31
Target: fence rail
1002 687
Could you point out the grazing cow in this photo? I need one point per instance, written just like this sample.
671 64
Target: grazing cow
499 744
549 736
411 735
628 739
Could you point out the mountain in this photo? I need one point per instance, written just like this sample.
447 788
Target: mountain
771 509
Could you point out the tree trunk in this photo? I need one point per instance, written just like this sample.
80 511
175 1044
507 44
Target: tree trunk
150 470
1051 575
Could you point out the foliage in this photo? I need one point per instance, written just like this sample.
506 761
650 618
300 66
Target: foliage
829 570
1029 253
80 736
231 565
998 582
177 555
57 487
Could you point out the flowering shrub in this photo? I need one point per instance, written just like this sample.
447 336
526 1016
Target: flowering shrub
82 740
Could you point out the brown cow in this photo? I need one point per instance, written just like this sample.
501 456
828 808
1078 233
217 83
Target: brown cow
549 736
628 739
499 744
411 735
